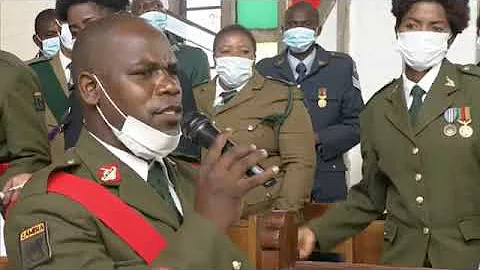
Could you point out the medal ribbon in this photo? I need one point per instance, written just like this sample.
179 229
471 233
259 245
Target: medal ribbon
451 115
465 117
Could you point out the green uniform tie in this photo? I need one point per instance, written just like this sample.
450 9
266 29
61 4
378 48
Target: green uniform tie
157 178
417 94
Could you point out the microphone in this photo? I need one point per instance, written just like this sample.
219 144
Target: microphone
198 128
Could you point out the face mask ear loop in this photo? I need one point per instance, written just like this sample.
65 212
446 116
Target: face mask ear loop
108 97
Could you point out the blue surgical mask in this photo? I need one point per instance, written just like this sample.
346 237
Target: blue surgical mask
50 46
156 19
299 39
234 71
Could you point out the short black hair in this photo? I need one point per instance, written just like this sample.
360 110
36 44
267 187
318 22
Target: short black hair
62 6
458 12
43 17
303 6
231 29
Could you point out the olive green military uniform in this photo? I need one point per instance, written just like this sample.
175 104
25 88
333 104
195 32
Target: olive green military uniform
76 239
54 81
427 181
23 136
252 114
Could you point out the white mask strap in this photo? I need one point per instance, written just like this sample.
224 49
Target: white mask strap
108 97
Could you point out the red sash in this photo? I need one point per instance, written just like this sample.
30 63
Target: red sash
125 222
3 167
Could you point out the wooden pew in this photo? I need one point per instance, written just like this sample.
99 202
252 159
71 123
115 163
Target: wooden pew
364 248
3 263
305 265
269 241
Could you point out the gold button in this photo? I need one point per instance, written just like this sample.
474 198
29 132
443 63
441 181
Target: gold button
71 162
415 150
299 86
426 230
268 195
419 200
467 68
418 177
250 128
213 122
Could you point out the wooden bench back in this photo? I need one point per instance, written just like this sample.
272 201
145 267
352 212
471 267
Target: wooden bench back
364 248
269 241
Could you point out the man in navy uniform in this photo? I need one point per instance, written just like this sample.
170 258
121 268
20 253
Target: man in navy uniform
331 94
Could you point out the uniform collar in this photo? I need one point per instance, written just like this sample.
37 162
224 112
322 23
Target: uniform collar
425 83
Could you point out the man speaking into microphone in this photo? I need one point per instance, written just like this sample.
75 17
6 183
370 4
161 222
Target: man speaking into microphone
119 200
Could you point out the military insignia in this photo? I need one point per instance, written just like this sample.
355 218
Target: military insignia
449 82
465 119
109 174
322 97
450 115
236 265
38 101
35 246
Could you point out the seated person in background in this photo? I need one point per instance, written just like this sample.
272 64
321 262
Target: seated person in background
193 66
420 148
269 114
47 33
132 106
23 136
53 69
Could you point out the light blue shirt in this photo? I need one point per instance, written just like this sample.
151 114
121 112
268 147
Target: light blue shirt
308 62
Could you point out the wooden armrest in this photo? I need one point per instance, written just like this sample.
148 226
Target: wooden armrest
269 241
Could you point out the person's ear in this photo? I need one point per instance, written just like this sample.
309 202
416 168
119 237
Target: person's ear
89 88
37 41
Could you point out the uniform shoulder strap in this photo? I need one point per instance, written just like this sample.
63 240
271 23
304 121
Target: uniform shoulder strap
125 222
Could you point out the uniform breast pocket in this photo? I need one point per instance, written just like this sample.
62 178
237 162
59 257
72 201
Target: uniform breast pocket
255 131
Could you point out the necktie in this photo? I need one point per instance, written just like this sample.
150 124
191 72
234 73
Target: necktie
227 96
157 178
417 94
70 78
301 70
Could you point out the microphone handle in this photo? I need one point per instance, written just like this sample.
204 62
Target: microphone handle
256 169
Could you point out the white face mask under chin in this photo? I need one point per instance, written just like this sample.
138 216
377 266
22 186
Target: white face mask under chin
422 50
141 139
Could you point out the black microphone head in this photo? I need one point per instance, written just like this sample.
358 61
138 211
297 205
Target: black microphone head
198 128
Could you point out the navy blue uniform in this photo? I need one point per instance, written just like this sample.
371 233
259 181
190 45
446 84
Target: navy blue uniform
335 122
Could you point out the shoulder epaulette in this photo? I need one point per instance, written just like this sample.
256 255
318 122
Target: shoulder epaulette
280 80
385 87
37 60
470 69
340 55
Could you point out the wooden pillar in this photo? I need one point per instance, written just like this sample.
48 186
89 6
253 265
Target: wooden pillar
229 12
343 26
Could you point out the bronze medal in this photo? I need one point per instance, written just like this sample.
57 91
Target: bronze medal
322 97
322 103
450 130
466 131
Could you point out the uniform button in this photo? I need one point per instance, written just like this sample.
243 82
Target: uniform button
334 166
426 230
418 177
250 127
419 200
213 122
236 265
467 68
268 195
71 162
415 150
384 233
299 86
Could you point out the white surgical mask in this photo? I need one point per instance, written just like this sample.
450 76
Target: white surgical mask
141 139
66 37
50 46
422 50
234 71
299 39
156 19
